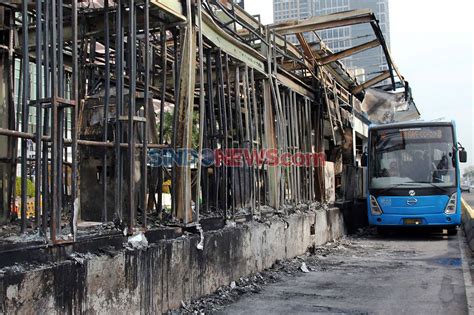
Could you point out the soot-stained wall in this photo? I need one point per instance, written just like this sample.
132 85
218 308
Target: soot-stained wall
159 277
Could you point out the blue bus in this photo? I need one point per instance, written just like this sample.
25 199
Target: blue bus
413 175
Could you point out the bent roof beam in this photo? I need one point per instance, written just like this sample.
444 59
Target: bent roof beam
348 52
318 23
384 75
391 65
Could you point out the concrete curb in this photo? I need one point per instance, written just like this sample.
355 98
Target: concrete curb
467 207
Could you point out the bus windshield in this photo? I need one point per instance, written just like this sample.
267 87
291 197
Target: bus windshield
412 157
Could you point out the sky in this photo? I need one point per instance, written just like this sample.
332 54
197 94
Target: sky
432 45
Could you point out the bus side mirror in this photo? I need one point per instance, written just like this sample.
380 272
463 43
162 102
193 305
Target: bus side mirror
462 156
363 160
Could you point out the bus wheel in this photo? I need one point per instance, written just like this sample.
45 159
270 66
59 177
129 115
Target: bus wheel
452 231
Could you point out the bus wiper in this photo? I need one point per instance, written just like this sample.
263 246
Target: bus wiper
434 185
394 186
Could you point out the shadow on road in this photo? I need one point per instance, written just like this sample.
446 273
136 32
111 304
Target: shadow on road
408 234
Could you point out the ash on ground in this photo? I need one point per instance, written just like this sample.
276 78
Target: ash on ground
313 260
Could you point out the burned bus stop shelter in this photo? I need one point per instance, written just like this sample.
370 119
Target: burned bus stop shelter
94 90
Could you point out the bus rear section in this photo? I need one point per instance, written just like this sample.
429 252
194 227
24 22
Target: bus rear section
413 176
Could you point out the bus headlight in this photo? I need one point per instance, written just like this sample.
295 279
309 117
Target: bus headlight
451 207
374 206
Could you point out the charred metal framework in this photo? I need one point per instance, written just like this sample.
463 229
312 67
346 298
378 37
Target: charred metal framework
107 75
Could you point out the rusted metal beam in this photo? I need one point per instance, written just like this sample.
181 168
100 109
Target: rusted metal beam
82 142
166 10
202 108
388 57
270 132
298 87
312 56
318 23
270 143
306 49
172 7
187 79
231 45
348 52
368 83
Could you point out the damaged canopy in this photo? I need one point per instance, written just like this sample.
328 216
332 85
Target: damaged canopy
384 107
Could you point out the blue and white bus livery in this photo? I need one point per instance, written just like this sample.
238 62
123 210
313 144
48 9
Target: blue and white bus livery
413 175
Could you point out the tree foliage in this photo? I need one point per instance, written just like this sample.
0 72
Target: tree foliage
469 172
168 128
30 187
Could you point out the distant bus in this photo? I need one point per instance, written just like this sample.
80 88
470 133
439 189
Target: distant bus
413 175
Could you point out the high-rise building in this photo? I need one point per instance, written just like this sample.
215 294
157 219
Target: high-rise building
363 65
240 3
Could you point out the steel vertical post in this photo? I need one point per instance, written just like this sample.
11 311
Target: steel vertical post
118 109
145 126
202 109
164 58
24 110
39 83
54 127
131 41
60 126
47 90
106 107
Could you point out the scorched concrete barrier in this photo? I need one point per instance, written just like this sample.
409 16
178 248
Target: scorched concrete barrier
158 277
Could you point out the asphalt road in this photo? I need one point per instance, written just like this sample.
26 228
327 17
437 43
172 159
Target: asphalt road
369 274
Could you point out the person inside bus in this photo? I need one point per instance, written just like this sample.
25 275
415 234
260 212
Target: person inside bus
394 170
419 167
441 169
